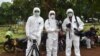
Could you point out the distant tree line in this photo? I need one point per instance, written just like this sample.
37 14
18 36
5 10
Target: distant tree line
22 9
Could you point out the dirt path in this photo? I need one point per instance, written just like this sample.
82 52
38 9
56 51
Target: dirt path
84 52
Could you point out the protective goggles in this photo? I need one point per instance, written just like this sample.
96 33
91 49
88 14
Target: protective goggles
52 14
36 11
69 12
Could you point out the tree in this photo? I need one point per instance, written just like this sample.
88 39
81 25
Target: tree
5 12
22 9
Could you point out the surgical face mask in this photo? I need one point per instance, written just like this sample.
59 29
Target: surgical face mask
70 14
37 14
52 16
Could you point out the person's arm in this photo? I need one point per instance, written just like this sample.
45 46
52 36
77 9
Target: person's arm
81 24
28 33
27 27
47 27
64 25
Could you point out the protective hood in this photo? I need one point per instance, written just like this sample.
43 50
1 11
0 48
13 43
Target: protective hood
36 11
51 16
70 12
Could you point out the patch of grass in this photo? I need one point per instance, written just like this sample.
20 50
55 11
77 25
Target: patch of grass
20 32
88 25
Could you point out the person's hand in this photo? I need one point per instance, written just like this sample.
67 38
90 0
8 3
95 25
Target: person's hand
57 30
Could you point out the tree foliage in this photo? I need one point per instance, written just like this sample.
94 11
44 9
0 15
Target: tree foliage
22 9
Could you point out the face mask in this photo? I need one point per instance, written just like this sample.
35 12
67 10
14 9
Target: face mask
36 14
70 14
53 16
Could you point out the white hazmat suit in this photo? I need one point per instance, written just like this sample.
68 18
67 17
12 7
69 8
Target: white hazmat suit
34 27
71 38
52 30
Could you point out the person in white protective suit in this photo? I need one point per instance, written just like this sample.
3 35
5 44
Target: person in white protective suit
69 25
34 28
52 30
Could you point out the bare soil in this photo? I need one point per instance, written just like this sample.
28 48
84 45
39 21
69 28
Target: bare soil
84 52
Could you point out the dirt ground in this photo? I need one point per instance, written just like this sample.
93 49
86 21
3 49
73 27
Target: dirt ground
84 52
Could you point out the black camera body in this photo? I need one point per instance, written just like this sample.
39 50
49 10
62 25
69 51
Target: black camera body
79 33
68 25
34 41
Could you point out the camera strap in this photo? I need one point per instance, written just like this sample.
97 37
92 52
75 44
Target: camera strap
69 31
76 21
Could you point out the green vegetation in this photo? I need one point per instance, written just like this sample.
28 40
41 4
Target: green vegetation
21 32
88 25
22 9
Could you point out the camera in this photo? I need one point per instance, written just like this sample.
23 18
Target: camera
68 25
78 33
34 41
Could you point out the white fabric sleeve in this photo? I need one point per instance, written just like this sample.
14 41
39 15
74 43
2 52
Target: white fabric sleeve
47 26
64 25
81 24
27 27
